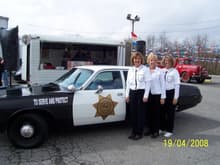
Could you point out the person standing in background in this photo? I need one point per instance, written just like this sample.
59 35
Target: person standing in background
137 91
172 83
4 75
156 98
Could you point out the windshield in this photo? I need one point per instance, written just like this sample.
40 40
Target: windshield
188 62
76 77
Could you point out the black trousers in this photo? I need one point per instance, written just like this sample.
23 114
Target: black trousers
137 111
153 113
168 112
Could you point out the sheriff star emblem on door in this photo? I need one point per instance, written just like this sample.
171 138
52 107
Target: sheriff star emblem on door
105 107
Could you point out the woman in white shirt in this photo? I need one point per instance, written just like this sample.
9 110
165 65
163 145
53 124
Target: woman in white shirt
156 96
137 91
172 83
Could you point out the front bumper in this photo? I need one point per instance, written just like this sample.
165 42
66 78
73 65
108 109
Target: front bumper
203 76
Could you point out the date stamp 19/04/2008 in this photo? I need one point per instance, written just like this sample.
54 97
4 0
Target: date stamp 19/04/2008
181 143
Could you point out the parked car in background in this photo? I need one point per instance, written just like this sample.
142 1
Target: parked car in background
83 96
188 70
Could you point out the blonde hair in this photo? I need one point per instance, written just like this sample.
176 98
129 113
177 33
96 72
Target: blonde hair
170 59
135 55
151 56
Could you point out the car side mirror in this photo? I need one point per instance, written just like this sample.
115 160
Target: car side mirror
99 89
71 88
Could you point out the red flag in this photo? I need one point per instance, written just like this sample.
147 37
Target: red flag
133 35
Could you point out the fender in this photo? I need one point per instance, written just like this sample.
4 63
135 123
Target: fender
56 105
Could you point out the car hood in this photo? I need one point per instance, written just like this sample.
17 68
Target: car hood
31 90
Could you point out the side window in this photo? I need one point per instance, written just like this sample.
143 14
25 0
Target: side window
186 62
117 81
107 79
181 62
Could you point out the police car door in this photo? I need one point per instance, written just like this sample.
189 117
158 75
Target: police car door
102 100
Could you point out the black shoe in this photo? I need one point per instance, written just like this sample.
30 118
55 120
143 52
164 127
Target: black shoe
147 133
132 136
154 135
137 137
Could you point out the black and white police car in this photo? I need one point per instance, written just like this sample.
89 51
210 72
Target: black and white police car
83 96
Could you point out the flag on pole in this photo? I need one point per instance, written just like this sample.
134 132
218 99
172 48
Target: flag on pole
133 35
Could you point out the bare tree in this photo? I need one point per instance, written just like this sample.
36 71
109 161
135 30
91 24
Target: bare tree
150 42
187 43
200 41
163 41
188 46
176 47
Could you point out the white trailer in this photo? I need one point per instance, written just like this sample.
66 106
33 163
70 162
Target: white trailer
45 58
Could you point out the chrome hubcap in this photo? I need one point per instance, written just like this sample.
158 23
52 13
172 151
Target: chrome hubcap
27 131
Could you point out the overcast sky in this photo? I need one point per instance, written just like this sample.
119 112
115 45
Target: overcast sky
179 19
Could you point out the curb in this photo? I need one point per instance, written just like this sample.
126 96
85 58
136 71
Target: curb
215 75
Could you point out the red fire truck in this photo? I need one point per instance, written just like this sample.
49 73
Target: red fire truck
189 70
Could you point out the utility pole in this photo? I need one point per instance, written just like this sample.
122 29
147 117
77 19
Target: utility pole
133 20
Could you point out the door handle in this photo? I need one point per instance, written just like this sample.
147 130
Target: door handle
119 94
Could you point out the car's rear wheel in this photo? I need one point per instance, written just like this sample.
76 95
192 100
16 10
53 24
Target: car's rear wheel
28 130
185 77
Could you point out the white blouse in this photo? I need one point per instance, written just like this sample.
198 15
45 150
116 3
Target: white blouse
172 80
138 78
158 83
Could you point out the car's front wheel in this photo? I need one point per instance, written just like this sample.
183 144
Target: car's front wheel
27 130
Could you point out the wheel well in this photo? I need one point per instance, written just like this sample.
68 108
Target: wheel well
184 71
42 113
187 71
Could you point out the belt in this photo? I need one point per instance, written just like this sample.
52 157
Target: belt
136 89
170 89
